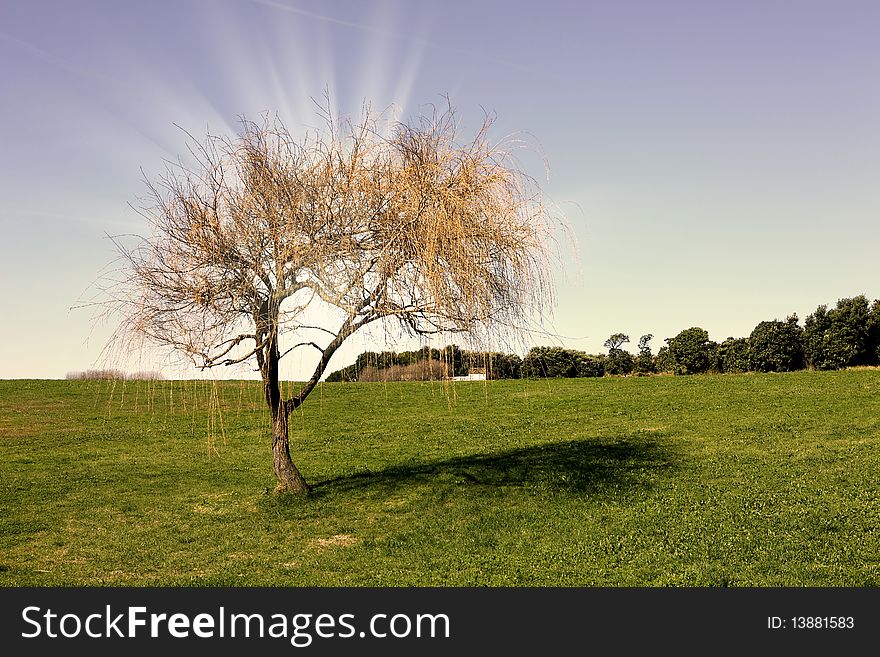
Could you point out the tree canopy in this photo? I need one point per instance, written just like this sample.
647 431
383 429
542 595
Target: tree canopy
262 227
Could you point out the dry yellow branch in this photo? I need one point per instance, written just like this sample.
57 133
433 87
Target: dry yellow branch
414 227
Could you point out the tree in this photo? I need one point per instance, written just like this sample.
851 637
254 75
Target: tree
589 365
497 365
691 352
733 355
645 360
777 346
663 360
873 346
618 361
840 337
453 360
616 341
264 230
347 374
824 347
550 362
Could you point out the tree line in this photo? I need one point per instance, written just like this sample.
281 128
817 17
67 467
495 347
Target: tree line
429 363
846 335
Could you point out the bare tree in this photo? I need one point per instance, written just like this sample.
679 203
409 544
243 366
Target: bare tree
412 227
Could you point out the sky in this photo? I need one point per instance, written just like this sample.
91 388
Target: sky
718 163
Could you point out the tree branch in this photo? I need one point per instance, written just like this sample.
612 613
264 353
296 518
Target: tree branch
346 330
301 344
316 328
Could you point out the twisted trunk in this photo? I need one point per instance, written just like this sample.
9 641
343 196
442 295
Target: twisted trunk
289 477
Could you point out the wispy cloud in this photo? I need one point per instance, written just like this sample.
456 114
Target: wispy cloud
418 41
59 62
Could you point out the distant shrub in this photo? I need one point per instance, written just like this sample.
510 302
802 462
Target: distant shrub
496 365
347 374
509 366
873 346
619 362
776 346
644 363
113 375
453 360
691 351
714 357
549 362
558 362
589 365
842 336
826 346
96 375
423 370
371 374
663 361
733 355
148 375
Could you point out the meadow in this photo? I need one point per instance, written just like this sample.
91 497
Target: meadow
712 480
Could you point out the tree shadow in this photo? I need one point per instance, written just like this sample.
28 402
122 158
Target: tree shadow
593 467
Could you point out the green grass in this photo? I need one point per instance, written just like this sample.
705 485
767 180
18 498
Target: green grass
749 480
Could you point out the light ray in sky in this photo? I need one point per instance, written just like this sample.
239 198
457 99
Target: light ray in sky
419 41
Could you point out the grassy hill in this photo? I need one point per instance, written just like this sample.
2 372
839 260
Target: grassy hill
735 480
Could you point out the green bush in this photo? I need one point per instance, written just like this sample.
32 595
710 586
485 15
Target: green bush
497 365
557 362
843 336
733 355
663 361
644 363
776 346
347 374
619 362
589 365
691 352
451 358
873 346
549 362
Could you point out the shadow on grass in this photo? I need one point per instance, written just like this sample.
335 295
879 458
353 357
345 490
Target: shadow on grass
588 467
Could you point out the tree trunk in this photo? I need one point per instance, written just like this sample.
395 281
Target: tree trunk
289 477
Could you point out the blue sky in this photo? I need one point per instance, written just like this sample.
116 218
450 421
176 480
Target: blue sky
718 162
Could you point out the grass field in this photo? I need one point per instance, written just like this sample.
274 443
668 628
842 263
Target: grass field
735 480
